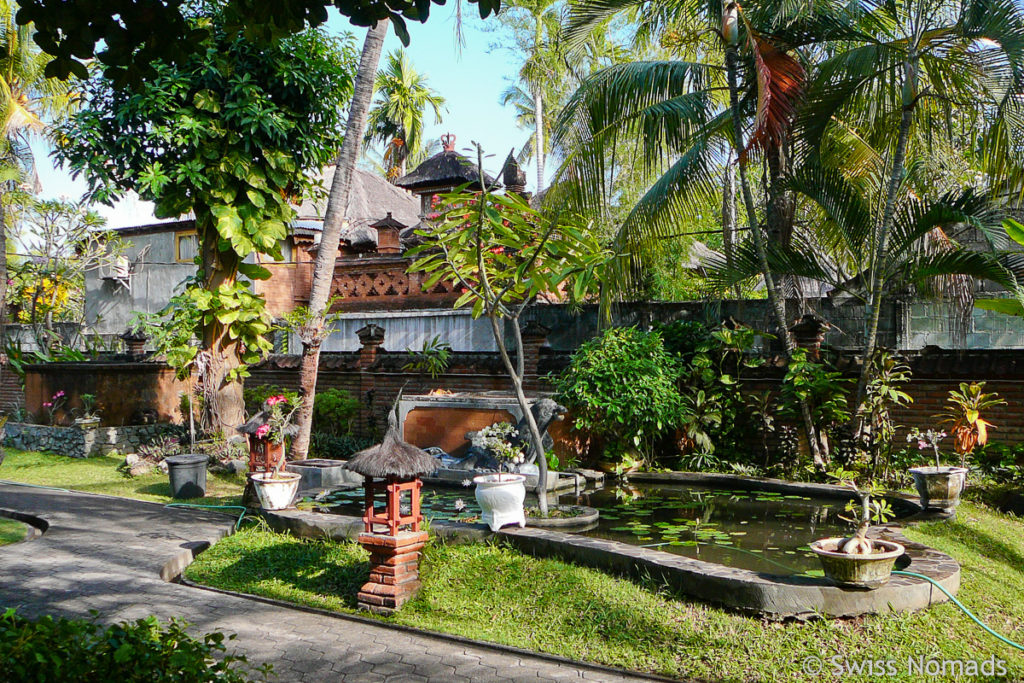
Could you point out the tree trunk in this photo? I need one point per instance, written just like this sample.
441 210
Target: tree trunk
337 206
515 373
778 306
882 234
781 208
3 272
729 216
538 137
223 407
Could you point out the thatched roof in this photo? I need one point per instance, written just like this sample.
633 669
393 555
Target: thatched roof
392 457
443 170
371 199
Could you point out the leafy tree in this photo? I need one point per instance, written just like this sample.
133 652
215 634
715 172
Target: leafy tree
127 38
396 119
231 134
504 254
28 100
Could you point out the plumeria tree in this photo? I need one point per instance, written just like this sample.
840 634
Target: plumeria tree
503 254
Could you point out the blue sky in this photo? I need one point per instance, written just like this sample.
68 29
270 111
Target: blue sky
471 81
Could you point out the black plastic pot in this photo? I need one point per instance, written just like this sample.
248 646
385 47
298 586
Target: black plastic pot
188 475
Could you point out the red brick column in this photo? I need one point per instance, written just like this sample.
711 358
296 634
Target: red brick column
809 333
395 572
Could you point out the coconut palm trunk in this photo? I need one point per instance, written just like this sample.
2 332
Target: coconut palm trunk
910 67
337 203
777 305
538 136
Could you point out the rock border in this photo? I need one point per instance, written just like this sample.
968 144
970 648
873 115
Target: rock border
777 597
586 519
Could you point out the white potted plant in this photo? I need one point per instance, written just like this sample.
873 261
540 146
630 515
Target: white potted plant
501 495
275 488
939 486
858 561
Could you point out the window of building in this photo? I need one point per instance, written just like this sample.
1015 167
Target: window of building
186 246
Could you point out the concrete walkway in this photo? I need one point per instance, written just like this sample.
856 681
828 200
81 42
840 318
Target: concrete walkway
115 555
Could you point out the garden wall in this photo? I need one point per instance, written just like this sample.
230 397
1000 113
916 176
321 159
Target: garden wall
375 375
77 442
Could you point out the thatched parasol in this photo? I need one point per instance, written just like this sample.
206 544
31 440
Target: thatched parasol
392 457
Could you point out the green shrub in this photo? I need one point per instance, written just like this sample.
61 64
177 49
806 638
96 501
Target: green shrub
683 338
621 387
255 396
333 411
77 650
336 447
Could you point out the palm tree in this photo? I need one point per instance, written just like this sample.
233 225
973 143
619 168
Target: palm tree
732 95
396 119
28 100
312 330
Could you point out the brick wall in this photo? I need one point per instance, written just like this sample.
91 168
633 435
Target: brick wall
12 396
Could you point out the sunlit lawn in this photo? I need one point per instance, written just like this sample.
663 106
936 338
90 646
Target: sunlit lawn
11 531
100 475
495 593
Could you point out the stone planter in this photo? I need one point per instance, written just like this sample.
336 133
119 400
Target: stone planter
275 493
857 571
500 497
87 422
187 474
320 473
939 487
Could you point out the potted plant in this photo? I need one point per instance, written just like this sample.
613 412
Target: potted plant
275 488
501 495
88 418
939 486
858 561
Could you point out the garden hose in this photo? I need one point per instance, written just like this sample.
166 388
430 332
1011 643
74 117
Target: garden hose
238 523
961 606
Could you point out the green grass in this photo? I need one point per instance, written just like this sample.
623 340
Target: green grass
11 531
495 593
100 475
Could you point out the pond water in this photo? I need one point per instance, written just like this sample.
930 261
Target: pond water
761 531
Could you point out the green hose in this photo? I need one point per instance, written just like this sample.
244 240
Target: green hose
961 606
238 523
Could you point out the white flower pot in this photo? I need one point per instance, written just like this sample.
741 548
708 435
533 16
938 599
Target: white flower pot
275 493
500 497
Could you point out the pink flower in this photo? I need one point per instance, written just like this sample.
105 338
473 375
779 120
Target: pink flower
921 444
262 431
274 400
59 394
47 405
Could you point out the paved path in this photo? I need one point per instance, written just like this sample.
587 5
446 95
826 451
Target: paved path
108 554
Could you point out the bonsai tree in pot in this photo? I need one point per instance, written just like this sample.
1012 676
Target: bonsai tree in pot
501 495
858 561
267 431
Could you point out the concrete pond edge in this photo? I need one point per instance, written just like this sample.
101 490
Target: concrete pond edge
773 596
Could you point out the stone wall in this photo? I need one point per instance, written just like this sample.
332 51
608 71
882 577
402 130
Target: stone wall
78 442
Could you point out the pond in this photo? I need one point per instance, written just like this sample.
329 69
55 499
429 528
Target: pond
760 531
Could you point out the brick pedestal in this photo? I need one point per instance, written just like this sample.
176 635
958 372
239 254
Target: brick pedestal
395 572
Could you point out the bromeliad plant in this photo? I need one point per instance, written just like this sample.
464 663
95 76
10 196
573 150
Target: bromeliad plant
963 414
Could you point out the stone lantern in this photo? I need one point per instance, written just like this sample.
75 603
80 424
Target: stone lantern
392 535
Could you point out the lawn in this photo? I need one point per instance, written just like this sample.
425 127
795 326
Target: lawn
494 593
11 531
101 475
